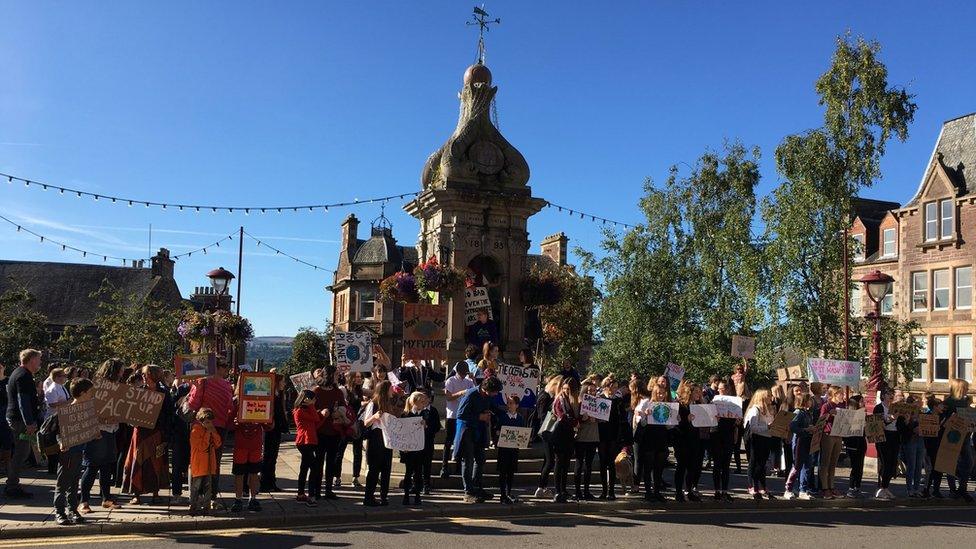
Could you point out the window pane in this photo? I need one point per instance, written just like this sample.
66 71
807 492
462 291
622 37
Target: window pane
367 305
889 242
859 247
920 291
948 228
964 287
922 354
888 303
964 357
941 353
940 287
931 222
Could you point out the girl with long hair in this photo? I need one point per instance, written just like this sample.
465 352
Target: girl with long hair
101 454
543 408
759 415
565 408
379 458
654 441
689 447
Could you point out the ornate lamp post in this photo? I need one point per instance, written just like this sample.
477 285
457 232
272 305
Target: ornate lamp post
878 285
220 280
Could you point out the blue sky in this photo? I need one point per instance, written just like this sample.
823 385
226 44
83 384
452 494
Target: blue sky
243 103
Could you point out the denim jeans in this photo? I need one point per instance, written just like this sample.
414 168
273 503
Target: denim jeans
472 463
913 454
802 471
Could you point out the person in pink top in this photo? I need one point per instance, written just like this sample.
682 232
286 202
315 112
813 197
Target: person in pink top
830 446
217 394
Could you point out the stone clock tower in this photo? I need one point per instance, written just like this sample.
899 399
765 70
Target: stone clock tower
473 212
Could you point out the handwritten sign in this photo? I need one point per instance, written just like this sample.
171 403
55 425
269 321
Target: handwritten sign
123 403
424 331
405 434
782 374
78 424
703 415
354 351
795 372
595 407
728 406
956 429
848 423
194 366
818 434
675 374
903 408
658 413
928 425
303 381
834 372
874 429
519 381
514 437
743 347
780 427
255 397
476 299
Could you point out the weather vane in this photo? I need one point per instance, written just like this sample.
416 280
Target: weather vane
481 19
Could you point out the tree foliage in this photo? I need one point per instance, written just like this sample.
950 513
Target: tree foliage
20 327
567 325
310 349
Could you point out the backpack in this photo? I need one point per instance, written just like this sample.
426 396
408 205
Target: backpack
47 436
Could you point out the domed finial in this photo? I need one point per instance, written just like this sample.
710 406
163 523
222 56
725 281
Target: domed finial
477 74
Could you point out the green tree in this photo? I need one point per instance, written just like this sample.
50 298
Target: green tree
134 328
823 170
567 326
310 349
20 326
80 344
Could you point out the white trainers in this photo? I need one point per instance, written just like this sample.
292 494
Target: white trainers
540 492
788 495
889 494
805 496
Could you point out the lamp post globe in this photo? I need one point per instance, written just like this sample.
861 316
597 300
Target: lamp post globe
878 285
220 280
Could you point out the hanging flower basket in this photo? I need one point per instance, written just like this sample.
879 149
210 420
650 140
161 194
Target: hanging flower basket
540 288
400 287
200 327
432 277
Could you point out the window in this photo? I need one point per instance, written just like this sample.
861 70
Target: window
964 287
858 247
367 305
920 291
856 290
964 356
948 227
922 357
888 243
888 301
940 290
941 355
931 221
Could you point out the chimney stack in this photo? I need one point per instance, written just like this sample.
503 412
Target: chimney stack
556 247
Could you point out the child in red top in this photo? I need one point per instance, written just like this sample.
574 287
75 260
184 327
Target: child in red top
248 458
307 423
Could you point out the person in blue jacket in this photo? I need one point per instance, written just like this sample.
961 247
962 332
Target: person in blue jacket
471 437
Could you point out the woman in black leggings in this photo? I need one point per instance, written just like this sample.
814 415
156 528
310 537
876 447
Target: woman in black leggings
689 448
654 443
566 409
759 416
887 450
612 438
379 458
722 445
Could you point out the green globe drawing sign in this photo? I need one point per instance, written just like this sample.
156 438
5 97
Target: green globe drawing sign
661 413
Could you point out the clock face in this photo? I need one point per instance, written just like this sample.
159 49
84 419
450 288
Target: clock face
487 157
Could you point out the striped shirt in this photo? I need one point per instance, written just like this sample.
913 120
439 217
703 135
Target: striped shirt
216 394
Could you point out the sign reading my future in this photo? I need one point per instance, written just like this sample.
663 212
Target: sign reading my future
834 372
424 331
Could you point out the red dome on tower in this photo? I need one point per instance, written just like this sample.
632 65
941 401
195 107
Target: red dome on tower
477 74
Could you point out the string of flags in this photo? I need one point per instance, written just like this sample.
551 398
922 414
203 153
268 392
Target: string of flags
593 218
261 243
215 244
65 247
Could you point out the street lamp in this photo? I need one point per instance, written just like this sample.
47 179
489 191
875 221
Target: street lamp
220 280
878 285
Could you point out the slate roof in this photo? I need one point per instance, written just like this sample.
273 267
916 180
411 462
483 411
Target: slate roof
382 248
956 147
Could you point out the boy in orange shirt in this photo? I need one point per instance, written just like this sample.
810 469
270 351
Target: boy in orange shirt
204 441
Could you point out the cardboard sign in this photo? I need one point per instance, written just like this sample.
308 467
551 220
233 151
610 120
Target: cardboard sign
405 434
476 299
782 374
354 352
78 424
595 407
194 366
658 413
903 409
703 415
834 372
123 403
255 397
956 429
928 425
303 381
874 429
380 357
519 381
848 423
424 331
968 414
514 437
728 406
818 434
795 372
780 427
675 374
743 347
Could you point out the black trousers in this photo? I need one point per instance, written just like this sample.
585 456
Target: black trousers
379 459
308 452
654 460
357 456
507 465
413 479
608 470
856 455
758 455
934 480
327 462
585 452
181 459
888 459
562 457
721 463
687 472
548 463
272 445
426 457
450 430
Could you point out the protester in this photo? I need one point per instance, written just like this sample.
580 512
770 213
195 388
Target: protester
801 428
830 446
69 467
272 437
544 410
887 449
100 455
379 458
432 425
529 399
483 331
912 448
454 388
22 406
380 373
855 447
6 438
179 391
933 482
146 468
247 462
959 398
759 416
689 447
587 441
204 441
638 392
413 478
508 457
56 396
614 434
488 366
217 394
329 398
471 438
654 442
776 452
307 422
569 370
355 396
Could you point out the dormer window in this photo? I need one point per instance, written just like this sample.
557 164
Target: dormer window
858 247
889 246
948 225
940 222
931 221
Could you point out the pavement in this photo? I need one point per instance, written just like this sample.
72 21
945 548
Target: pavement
34 518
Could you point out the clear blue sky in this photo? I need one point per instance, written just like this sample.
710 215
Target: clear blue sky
259 102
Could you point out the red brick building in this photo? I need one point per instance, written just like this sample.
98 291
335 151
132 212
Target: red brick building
929 247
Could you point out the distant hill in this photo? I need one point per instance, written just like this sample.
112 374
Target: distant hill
274 350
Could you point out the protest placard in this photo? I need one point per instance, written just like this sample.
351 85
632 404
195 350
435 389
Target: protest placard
795 372
818 434
123 403
782 374
514 437
595 407
354 352
194 366
675 374
968 414
521 381
743 347
476 299
780 427
874 429
424 331
903 408
303 381
728 406
406 433
659 413
703 415
848 423
78 424
947 459
928 425
834 372
255 397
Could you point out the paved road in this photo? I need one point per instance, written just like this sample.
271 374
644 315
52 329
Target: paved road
889 529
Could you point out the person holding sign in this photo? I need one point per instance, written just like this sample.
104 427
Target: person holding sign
508 457
101 454
69 466
688 448
565 409
830 446
759 415
959 398
204 441
802 427
654 439
933 483
887 450
587 440
217 394
307 422
248 459
912 448
379 458
471 438
413 478
614 434
856 448
146 466
483 331
454 388
723 443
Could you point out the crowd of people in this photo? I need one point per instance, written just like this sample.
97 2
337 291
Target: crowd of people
629 453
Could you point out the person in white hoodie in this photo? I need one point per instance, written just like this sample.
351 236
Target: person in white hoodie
759 415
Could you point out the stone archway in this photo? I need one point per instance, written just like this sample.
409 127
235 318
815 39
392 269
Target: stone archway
488 272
